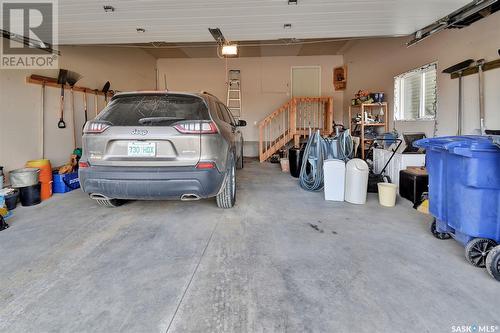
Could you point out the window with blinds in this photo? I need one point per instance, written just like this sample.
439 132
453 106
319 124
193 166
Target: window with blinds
415 94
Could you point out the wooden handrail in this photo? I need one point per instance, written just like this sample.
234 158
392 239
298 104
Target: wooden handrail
292 120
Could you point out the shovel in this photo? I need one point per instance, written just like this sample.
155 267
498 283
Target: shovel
72 78
61 79
459 69
105 90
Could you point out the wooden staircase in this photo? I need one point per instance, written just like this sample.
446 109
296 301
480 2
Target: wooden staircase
292 121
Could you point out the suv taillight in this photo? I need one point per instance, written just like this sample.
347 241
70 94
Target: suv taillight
197 128
95 127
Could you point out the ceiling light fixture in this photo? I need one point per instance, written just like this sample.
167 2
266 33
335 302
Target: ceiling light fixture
140 30
292 2
227 49
108 9
287 26
230 50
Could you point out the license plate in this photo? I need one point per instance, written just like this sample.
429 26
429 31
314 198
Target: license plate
141 149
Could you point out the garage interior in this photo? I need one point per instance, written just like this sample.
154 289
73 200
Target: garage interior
289 256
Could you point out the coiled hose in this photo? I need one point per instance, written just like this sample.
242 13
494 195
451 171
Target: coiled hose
317 150
311 172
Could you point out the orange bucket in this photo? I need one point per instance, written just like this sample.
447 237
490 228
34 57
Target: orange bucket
45 169
46 191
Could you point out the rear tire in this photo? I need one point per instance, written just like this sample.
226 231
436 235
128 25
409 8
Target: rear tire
227 196
493 263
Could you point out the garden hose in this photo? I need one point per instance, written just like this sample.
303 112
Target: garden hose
318 149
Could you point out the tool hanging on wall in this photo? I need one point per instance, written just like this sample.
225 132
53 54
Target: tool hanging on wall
72 78
85 109
61 79
42 122
459 69
105 90
96 106
480 64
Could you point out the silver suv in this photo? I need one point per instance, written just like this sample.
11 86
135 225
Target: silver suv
162 145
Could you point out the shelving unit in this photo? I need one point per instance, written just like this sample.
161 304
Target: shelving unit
373 107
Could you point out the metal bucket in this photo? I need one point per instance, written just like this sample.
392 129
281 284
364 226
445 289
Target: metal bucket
24 177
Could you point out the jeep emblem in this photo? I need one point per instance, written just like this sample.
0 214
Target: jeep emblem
139 132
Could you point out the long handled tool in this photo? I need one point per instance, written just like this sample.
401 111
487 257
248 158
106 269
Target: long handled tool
61 79
42 122
105 90
85 110
480 64
459 69
72 78
96 107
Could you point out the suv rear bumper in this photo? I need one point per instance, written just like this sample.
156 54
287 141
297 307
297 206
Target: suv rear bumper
150 183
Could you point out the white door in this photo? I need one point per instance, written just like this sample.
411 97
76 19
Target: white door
306 81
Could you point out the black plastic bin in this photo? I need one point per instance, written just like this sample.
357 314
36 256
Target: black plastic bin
11 200
30 195
295 159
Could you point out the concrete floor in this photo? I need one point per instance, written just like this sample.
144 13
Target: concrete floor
68 265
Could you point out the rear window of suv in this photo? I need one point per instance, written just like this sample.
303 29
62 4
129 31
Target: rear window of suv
154 110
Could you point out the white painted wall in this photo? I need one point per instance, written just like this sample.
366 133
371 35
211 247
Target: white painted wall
20 102
265 83
374 63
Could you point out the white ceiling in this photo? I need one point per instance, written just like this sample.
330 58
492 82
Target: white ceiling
85 22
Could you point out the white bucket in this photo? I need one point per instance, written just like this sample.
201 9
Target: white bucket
387 194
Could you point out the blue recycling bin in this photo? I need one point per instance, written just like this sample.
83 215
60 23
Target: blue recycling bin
464 186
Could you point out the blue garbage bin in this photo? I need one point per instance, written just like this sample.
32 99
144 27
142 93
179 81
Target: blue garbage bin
464 191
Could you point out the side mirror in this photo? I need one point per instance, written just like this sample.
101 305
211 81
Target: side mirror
241 123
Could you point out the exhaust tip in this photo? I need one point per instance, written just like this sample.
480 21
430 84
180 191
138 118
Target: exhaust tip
190 197
98 196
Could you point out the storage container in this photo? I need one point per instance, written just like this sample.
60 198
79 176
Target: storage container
464 185
356 181
65 183
334 175
413 183
30 195
24 177
11 200
45 175
295 161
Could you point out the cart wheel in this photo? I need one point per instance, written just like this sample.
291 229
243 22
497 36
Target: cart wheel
493 262
477 250
437 234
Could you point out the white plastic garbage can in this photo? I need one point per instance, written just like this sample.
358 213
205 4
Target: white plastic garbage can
334 174
356 181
